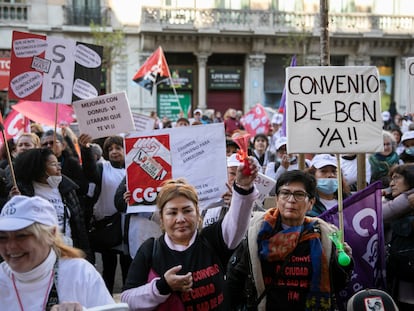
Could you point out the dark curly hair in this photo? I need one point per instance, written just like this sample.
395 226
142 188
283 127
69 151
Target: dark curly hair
31 165
109 141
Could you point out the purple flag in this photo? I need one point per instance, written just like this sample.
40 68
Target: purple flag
283 100
363 231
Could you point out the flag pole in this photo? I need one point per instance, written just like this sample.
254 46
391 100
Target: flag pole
54 132
176 96
340 197
9 160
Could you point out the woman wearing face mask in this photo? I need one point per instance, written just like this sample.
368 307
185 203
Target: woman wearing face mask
324 168
38 172
407 140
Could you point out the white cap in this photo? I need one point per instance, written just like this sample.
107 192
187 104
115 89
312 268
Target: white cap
198 110
232 161
407 135
321 160
277 118
22 211
386 116
280 142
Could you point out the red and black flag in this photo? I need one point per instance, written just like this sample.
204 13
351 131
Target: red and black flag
153 71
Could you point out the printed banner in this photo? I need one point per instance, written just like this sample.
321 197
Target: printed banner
52 69
363 231
104 115
264 185
4 73
333 110
14 125
143 122
409 67
197 154
256 121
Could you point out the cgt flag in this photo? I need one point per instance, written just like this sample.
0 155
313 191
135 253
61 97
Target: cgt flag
363 231
153 71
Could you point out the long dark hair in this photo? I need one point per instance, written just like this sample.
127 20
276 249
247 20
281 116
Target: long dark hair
31 164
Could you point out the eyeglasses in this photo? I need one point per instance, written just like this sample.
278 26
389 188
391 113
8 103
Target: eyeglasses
394 178
298 195
49 143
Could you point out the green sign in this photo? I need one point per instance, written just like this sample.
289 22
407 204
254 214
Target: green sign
225 78
182 79
168 105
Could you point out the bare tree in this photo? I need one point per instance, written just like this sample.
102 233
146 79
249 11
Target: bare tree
113 48
324 39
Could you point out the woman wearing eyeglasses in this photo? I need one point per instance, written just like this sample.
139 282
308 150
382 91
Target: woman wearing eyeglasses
289 261
398 216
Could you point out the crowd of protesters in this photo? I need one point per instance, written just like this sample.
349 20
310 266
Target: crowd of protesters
84 182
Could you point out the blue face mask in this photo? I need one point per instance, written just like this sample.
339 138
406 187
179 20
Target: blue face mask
327 185
409 150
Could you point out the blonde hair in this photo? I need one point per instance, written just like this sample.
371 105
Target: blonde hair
174 188
54 239
33 137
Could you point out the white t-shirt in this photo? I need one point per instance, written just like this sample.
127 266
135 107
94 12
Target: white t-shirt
111 178
78 281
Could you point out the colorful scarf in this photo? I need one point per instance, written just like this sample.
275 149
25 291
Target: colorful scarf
278 246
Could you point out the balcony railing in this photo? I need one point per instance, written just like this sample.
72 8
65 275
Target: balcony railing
225 20
82 16
13 12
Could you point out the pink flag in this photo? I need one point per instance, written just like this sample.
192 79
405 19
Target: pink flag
256 121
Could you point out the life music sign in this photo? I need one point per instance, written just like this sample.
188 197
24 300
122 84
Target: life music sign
53 69
333 110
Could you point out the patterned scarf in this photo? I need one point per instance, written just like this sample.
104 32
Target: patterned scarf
277 247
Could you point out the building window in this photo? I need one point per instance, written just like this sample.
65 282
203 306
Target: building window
86 11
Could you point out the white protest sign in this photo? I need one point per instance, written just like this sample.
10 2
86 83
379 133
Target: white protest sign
264 185
333 110
409 67
104 115
143 122
196 153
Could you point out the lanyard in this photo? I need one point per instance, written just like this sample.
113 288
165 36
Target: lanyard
51 297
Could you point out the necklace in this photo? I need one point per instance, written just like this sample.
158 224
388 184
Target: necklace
46 296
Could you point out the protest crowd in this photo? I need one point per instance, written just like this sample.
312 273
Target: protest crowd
208 211
262 257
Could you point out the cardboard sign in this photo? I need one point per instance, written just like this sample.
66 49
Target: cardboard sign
264 185
52 69
197 154
333 110
104 115
143 122
409 67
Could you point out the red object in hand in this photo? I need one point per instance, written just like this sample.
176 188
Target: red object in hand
243 142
